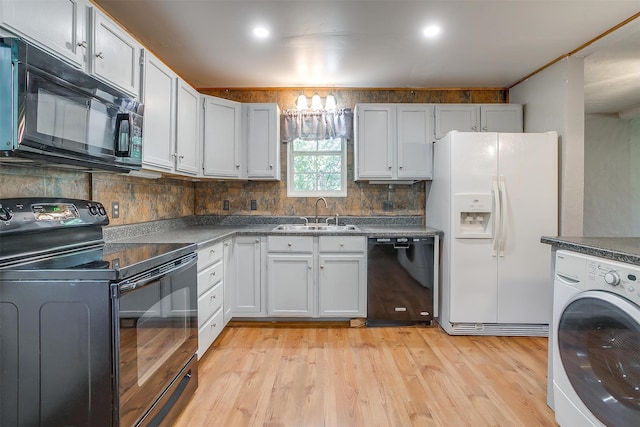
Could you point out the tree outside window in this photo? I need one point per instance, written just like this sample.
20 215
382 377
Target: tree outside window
317 168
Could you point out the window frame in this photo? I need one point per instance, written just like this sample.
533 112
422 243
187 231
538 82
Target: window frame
292 192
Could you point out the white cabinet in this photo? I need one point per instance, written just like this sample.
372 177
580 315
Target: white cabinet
159 115
478 118
246 299
79 34
229 280
187 130
393 142
171 121
321 276
210 295
58 25
222 139
114 54
290 276
342 281
241 141
261 124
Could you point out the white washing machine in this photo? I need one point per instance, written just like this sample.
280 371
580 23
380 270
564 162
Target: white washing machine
596 344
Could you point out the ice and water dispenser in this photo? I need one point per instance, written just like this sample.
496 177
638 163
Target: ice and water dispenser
473 216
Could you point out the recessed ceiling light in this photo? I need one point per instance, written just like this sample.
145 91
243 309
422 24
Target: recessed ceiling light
431 31
261 32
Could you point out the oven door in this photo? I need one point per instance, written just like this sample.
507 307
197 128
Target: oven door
156 332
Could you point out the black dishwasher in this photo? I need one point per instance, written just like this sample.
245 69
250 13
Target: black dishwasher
402 280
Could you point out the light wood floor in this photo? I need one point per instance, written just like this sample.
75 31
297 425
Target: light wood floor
339 376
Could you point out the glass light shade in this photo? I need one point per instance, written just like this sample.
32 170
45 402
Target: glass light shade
302 103
316 103
330 103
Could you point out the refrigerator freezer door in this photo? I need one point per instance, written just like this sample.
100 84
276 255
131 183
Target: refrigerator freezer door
473 270
528 171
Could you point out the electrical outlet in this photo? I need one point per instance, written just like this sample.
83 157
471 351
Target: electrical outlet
115 209
225 205
254 205
387 205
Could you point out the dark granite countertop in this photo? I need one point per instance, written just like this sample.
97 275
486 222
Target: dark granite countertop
204 234
621 249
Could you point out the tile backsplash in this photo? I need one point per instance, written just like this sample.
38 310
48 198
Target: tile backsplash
143 200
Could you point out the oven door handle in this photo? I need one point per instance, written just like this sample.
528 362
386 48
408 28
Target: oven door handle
132 286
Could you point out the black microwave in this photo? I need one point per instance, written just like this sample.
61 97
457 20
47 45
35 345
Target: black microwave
54 113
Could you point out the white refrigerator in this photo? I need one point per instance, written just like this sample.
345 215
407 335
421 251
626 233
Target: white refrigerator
494 195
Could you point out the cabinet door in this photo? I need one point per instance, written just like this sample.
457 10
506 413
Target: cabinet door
222 138
501 118
374 141
58 25
115 55
159 114
415 147
263 141
342 285
460 117
188 135
290 285
247 295
228 279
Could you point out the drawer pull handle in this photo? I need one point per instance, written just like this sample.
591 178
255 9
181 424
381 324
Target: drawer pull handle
213 297
213 325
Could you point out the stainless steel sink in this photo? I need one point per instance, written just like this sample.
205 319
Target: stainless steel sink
315 227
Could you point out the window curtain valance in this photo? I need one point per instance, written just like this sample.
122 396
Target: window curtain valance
316 124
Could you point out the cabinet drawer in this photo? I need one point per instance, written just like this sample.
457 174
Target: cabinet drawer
209 277
209 255
209 332
290 243
210 302
342 244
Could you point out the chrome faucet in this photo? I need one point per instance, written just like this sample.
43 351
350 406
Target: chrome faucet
325 205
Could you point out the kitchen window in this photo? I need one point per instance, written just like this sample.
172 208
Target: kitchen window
317 168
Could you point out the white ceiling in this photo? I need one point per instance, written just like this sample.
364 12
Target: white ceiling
379 43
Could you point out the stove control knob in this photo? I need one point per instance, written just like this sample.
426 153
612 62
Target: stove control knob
102 211
5 214
93 210
612 278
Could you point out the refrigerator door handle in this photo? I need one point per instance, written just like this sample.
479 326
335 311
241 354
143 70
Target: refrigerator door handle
504 214
497 221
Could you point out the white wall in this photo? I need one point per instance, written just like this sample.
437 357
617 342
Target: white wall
611 176
553 100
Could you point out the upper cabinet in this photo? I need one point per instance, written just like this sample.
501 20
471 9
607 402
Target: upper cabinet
241 141
114 54
58 25
262 128
80 34
188 130
393 142
222 138
477 118
159 116
171 121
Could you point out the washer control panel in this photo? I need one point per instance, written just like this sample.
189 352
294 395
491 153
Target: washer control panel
622 279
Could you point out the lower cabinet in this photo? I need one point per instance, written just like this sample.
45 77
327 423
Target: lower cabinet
322 276
246 271
210 295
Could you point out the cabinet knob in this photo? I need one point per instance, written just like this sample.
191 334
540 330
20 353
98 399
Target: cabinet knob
289 244
309 267
389 167
484 128
237 166
180 157
257 240
213 297
100 55
270 166
321 265
474 128
400 168
341 245
213 325
83 44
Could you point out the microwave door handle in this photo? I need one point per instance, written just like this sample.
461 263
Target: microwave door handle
128 287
